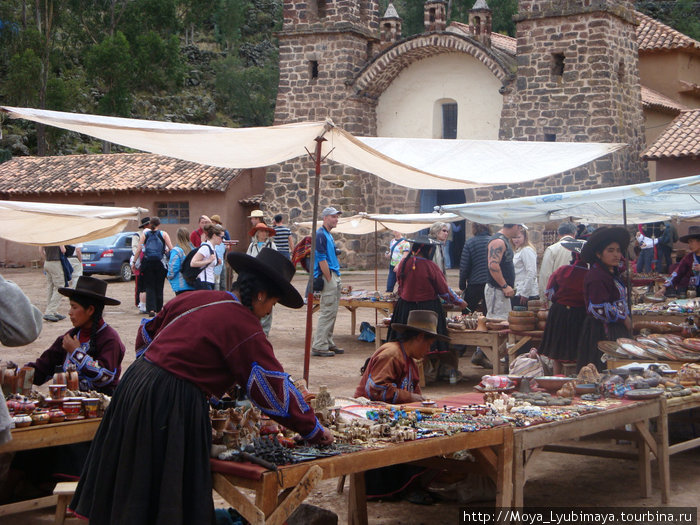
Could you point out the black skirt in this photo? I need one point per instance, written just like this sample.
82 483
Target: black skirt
562 332
149 461
592 332
403 308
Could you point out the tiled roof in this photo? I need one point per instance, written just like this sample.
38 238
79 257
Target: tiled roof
652 35
253 200
113 172
503 42
655 100
680 140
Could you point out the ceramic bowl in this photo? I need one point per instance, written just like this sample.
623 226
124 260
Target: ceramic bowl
22 421
586 388
56 416
552 382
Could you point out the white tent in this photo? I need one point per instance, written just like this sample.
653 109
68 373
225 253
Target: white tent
44 224
364 223
413 163
646 202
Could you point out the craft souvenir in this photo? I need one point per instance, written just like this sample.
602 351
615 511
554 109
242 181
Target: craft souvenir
40 417
90 406
72 409
56 415
57 391
552 383
72 380
22 420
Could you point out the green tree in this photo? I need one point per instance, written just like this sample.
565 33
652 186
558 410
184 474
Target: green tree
157 62
109 64
21 86
229 17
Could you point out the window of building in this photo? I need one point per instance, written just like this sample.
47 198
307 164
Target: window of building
557 65
449 120
313 69
173 212
431 14
477 25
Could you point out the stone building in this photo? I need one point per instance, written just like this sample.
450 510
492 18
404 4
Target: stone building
572 74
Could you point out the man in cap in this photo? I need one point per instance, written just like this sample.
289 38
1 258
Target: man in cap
326 265
556 255
196 236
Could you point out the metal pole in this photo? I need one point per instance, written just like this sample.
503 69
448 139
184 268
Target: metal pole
376 266
312 260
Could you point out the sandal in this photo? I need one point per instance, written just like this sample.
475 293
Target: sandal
418 497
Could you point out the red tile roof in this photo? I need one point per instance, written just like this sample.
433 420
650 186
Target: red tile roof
680 140
114 172
652 35
654 100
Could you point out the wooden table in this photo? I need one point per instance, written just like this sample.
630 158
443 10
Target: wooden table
675 405
42 436
516 340
493 449
387 307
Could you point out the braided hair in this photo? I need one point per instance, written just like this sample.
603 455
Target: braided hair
248 285
99 306
417 250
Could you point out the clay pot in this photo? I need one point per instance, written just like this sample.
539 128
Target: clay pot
481 324
22 420
72 380
14 405
57 391
40 417
26 406
218 423
90 406
56 415
72 409
542 315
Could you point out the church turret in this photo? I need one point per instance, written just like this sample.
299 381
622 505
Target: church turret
390 26
435 15
480 22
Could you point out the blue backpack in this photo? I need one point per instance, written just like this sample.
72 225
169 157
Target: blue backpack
154 246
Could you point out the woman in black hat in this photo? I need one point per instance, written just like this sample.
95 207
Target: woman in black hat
422 286
607 314
688 269
93 346
149 462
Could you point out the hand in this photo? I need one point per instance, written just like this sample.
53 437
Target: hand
326 437
508 291
70 343
416 397
523 300
628 324
696 267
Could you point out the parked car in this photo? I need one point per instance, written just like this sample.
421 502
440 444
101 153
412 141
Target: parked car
109 255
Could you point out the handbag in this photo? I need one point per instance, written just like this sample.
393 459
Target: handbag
318 283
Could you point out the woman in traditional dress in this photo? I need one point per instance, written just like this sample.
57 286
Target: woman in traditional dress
567 312
607 313
149 461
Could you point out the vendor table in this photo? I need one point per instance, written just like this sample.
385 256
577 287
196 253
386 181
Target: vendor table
529 441
675 405
493 449
676 318
42 436
387 307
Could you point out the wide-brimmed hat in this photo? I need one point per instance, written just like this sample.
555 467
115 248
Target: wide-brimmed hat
275 268
424 321
262 226
574 246
602 237
424 239
145 221
215 218
256 213
91 288
693 233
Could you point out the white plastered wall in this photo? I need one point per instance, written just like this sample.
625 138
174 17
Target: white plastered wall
408 107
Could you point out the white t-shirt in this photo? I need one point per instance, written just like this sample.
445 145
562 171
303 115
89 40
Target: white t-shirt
207 273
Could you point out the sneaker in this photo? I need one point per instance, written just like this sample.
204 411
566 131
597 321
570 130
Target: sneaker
142 308
479 359
151 314
322 353
51 317
336 350
60 317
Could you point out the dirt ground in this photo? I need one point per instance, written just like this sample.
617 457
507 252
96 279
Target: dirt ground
555 479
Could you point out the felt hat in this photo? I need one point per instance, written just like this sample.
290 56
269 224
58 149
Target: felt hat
272 266
145 221
91 288
215 218
574 246
602 237
424 239
424 321
693 233
262 226
330 210
256 213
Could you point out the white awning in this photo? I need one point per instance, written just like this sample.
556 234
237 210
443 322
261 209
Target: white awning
645 202
364 223
413 163
45 224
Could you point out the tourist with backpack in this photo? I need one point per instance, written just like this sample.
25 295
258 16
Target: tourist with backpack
154 244
205 258
177 255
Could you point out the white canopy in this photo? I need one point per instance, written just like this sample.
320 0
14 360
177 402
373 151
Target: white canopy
364 223
414 163
43 224
646 202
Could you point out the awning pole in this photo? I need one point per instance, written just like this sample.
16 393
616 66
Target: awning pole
627 260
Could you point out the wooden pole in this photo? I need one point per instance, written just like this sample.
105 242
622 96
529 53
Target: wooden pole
627 260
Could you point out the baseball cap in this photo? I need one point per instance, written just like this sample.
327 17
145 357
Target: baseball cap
329 211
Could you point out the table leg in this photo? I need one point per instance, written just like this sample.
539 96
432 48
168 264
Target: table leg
357 500
518 472
266 496
496 360
644 466
662 456
504 471
353 317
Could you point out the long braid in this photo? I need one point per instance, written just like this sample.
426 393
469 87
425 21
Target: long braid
248 285
96 317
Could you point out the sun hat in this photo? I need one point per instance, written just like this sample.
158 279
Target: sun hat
215 218
145 221
424 321
91 288
424 239
601 238
275 268
330 210
256 213
693 233
262 226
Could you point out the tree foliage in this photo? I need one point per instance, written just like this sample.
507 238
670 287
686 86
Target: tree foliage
683 15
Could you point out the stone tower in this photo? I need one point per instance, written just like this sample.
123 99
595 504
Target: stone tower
578 81
480 22
390 26
322 46
434 15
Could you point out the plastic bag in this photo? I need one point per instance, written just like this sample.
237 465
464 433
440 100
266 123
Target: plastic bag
366 332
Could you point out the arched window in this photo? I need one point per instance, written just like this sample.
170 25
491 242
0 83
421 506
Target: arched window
449 119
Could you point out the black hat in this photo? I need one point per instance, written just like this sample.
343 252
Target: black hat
693 233
145 221
600 238
273 266
574 246
424 239
91 288
424 321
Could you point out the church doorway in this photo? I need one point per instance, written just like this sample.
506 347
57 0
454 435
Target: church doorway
431 198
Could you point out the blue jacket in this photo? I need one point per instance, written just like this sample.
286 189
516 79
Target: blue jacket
325 251
177 281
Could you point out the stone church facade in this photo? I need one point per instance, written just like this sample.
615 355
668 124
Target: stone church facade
571 75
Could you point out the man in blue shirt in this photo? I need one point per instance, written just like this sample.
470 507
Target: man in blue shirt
326 264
